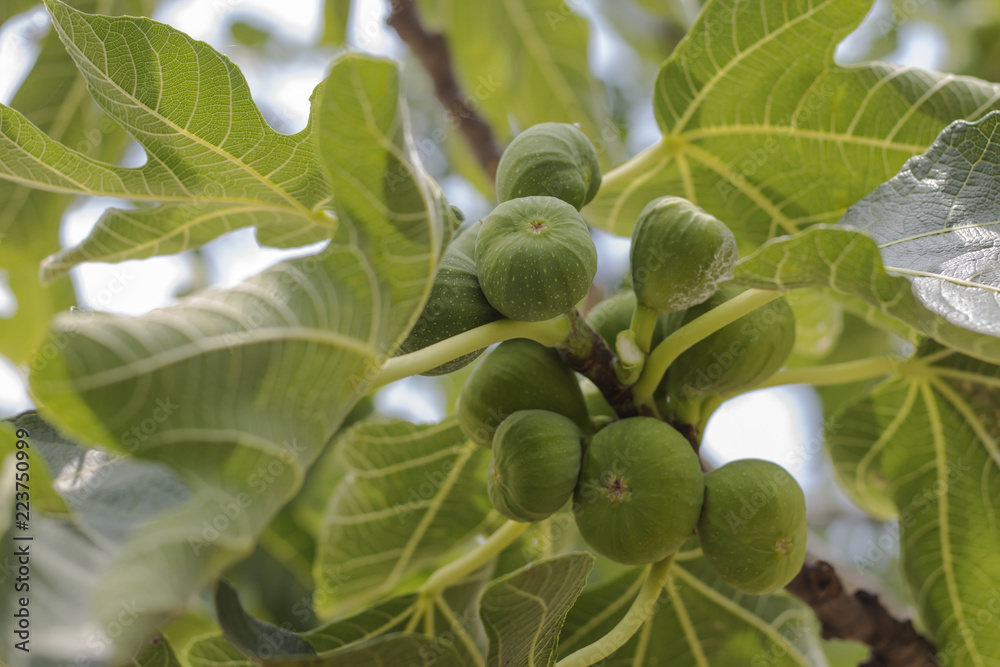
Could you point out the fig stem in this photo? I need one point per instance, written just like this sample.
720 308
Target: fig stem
547 332
587 353
692 332
842 373
634 170
473 560
631 359
643 608
643 325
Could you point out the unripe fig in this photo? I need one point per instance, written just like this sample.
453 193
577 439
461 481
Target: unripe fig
753 525
455 305
614 315
741 354
679 254
640 491
519 374
597 405
553 160
535 258
536 461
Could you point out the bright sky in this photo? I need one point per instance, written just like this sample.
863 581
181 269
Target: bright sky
770 424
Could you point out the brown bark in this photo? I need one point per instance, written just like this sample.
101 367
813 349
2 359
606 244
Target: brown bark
862 618
431 48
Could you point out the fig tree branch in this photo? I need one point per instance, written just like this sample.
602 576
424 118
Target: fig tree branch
585 352
861 617
431 48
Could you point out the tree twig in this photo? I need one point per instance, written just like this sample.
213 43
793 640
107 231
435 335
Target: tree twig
861 617
586 353
431 48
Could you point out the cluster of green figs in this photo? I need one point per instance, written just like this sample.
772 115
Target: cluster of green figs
635 485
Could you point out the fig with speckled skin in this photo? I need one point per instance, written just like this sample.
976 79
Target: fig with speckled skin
553 160
740 355
536 461
535 258
753 525
679 254
519 374
455 305
640 491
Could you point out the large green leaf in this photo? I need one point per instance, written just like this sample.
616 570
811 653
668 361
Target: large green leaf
849 263
933 443
526 61
54 98
239 390
213 164
410 495
698 622
938 223
763 130
524 610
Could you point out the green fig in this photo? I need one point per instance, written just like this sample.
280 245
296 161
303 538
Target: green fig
536 461
679 255
455 305
640 491
535 258
519 374
553 160
740 355
753 525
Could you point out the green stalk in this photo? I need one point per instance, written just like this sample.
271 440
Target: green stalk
843 373
627 172
643 325
473 560
548 332
692 332
642 609
630 360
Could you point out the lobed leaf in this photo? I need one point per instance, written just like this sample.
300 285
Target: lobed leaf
936 458
937 222
207 145
762 129
698 621
410 495
239 390
523 611
848 263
